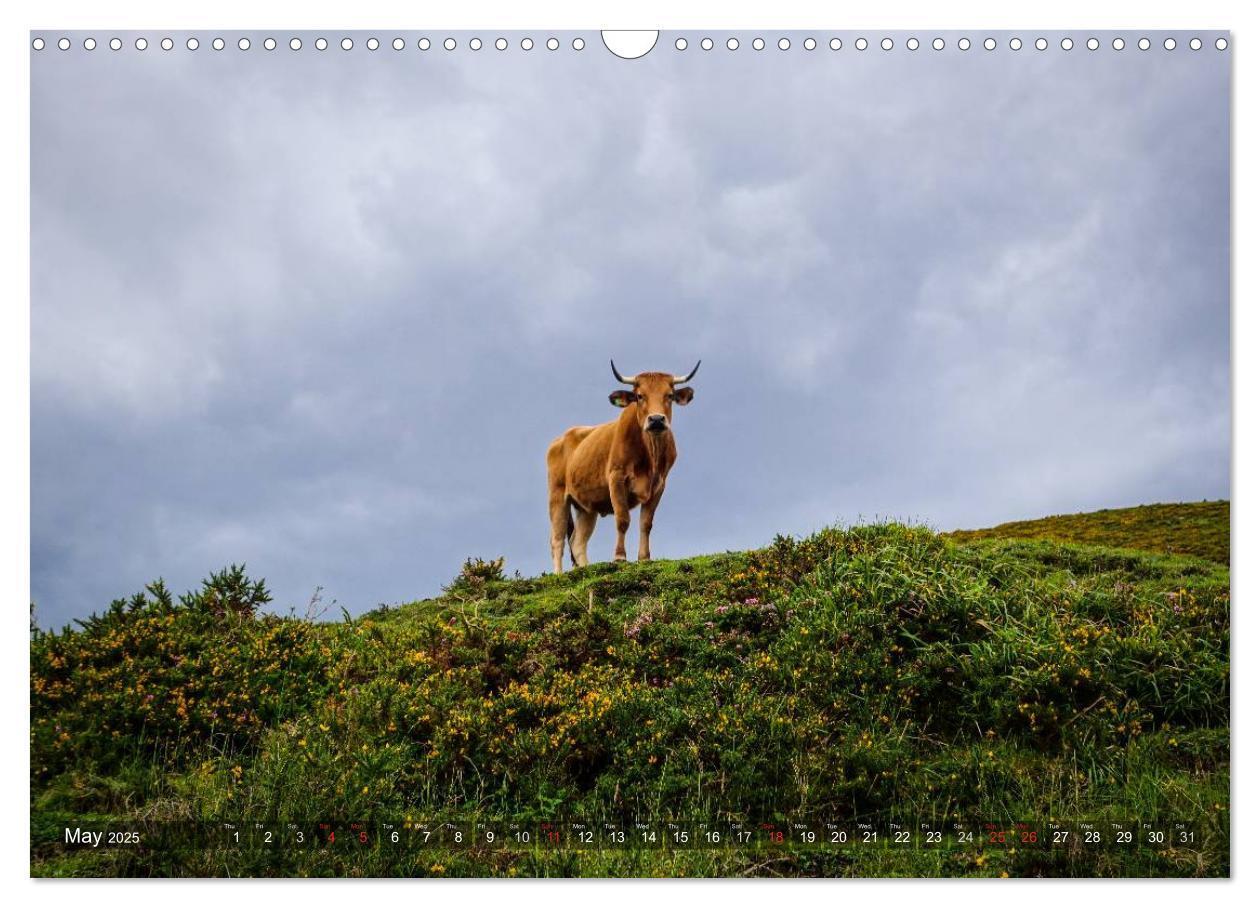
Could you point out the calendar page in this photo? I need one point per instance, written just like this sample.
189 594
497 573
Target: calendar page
363 362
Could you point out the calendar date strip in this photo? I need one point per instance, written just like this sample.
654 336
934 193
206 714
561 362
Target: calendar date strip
582 834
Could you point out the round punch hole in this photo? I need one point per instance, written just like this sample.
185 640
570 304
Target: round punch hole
295 44
1170 44
732 44
578 43
553 44
938 44
964 43
1144 44
115 43
373 44
1016 44
167 44
759 44
243 44
1221 44
346 44
1118 44
527 44
142 43
1041 44
630 44
269 44
706 44
218 44
38 44
809 44
192 44
680 44
990 44
1092 44
886 44
860 44
835 44
474 44
424 44
398 44
1196 44
784 44
321 44
449 44
64 44
501 44
1066 44
89 44
912 44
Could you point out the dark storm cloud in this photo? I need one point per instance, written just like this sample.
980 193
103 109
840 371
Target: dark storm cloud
322 313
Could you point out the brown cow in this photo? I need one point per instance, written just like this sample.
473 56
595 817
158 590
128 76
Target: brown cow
614 467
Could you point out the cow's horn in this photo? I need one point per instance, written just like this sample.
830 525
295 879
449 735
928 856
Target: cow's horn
682 379
621 378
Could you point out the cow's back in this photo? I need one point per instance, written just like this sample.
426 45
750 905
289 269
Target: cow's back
578 461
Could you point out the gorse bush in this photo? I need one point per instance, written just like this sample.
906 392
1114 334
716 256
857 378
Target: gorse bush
155 677
853 673
475 575
229 594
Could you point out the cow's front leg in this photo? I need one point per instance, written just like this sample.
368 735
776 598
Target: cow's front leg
647 514
620 494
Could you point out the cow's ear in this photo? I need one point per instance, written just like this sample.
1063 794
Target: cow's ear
621 398
683 396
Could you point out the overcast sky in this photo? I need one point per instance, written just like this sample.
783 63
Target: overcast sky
322 313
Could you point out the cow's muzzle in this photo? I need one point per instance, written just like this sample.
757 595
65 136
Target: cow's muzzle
656 423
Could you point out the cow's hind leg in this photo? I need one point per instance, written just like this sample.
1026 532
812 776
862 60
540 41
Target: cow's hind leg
561 527
585 526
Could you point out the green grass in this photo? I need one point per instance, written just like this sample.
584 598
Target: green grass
858 673
1199 528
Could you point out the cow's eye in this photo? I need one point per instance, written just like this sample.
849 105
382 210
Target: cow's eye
669 395
638 397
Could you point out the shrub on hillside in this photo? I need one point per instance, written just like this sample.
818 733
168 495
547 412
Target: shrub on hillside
155 677
475 575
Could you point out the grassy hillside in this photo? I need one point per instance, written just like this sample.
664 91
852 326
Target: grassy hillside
850 675
1200 529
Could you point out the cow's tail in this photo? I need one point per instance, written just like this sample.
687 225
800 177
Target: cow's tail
568 533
